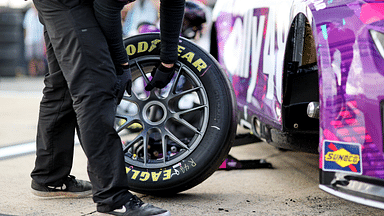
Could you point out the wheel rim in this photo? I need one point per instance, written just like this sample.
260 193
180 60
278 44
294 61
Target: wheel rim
173 120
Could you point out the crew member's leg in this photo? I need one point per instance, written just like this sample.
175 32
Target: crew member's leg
82 53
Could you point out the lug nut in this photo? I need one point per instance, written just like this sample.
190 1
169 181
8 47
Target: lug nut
173 149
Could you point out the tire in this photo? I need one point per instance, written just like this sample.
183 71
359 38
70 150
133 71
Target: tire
187 128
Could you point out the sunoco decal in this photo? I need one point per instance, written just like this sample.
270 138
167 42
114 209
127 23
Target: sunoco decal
342 157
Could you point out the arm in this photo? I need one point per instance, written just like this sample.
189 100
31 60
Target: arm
108 15
171 19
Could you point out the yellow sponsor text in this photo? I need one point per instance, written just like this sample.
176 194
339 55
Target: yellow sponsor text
144 46
342 157
145 175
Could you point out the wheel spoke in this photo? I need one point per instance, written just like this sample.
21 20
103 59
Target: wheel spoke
145 143
132 98
179 142
164 146
142 135
191 110
129 120
188 125
174 84
185 92
142 72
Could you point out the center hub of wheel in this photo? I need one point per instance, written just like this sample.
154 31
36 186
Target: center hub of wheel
154 112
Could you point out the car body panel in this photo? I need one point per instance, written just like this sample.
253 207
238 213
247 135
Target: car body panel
252 38
240 26
351 73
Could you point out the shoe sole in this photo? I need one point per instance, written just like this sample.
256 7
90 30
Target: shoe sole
165 214
122 214
62 194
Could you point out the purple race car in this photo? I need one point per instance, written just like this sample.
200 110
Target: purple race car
307 76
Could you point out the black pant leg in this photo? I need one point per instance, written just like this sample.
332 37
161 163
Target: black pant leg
84 59
56 126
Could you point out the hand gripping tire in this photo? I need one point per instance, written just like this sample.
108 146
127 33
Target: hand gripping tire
185 129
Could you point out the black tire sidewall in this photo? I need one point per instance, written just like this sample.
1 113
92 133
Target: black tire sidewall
220 132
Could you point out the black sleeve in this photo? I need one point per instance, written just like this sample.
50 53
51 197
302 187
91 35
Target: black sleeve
108 15
171 19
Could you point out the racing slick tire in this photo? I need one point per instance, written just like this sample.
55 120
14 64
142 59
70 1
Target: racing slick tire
187 128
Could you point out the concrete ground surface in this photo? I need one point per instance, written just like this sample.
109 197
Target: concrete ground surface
290 188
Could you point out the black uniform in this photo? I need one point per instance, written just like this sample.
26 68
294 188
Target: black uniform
80 92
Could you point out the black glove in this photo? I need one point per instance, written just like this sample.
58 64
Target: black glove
124 81
161 76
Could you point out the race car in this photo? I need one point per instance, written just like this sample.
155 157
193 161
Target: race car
307 75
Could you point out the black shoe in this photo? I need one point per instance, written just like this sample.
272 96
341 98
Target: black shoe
71 188
136 207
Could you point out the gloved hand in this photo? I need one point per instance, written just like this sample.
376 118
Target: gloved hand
124 81
161 76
